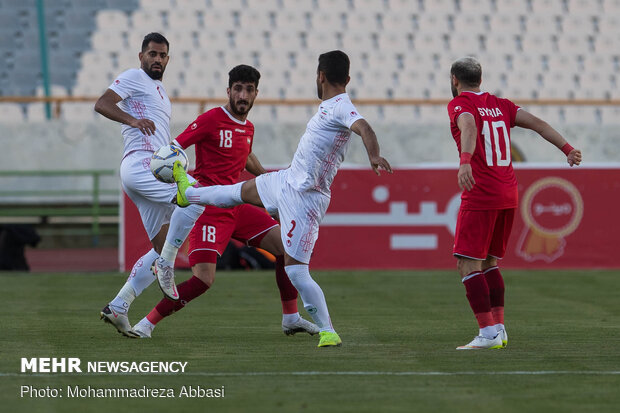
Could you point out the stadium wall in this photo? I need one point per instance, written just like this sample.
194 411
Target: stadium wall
407 220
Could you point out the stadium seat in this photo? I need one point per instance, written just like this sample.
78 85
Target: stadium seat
513 7
606 43
11 113
544 24
111 20
471 23
432 114
594 85
573 43
609 23
476 6
341 6
433 23
147 21
579 24
610 115
548 7
539 43
466 43
399 6
586 7
503 24
439 6
611 6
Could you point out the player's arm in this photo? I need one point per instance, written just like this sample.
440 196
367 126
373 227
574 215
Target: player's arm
253 165
524 119
107 106
363 128
469 131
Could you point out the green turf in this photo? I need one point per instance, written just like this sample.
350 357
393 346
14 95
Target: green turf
397 328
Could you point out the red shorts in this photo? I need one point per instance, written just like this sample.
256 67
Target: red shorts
483 233
216 226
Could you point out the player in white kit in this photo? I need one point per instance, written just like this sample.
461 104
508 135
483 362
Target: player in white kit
301 193
138 100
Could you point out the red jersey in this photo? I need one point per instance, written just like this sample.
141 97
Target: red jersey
223 144
491 164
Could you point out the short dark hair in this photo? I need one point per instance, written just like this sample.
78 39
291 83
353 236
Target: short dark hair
244 74
335 65
156 38
467 70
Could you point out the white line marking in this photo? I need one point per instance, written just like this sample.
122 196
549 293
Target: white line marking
336 373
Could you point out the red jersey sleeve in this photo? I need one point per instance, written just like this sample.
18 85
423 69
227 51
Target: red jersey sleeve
458 106
195 131
511 108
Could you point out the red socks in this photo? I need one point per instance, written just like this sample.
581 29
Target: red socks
478 297
188 290
496 293
288 293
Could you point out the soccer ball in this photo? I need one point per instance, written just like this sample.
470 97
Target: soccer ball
163 159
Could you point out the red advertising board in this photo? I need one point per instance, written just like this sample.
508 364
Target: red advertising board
566 219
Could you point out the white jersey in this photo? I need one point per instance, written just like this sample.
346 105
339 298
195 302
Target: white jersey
323 146
143 98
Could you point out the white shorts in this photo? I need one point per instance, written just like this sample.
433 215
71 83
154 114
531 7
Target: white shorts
300 213
152 197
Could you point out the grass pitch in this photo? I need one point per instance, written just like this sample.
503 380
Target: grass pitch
399 329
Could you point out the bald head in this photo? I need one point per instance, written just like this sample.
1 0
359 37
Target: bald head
467 72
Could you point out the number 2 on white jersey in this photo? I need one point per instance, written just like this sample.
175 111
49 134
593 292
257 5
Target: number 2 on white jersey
494 132
225 138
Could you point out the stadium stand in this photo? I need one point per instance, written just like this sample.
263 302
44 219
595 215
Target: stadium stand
541 49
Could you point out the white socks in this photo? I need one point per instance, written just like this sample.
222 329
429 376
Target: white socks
289 319
488 332
311 295
141 277
181 223
223 196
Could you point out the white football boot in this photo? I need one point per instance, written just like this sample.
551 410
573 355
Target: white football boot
483 343
120 321
165 277
300 326
143 329
504 336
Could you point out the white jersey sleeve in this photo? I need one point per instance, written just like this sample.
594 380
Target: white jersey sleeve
127 84
346 114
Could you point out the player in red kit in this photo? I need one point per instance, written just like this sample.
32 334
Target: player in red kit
223 139
480 124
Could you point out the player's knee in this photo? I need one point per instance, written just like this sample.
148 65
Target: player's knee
194 211
466 266
489 262
298 273
206 276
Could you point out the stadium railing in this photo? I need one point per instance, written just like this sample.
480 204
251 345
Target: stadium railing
45 206
58 101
